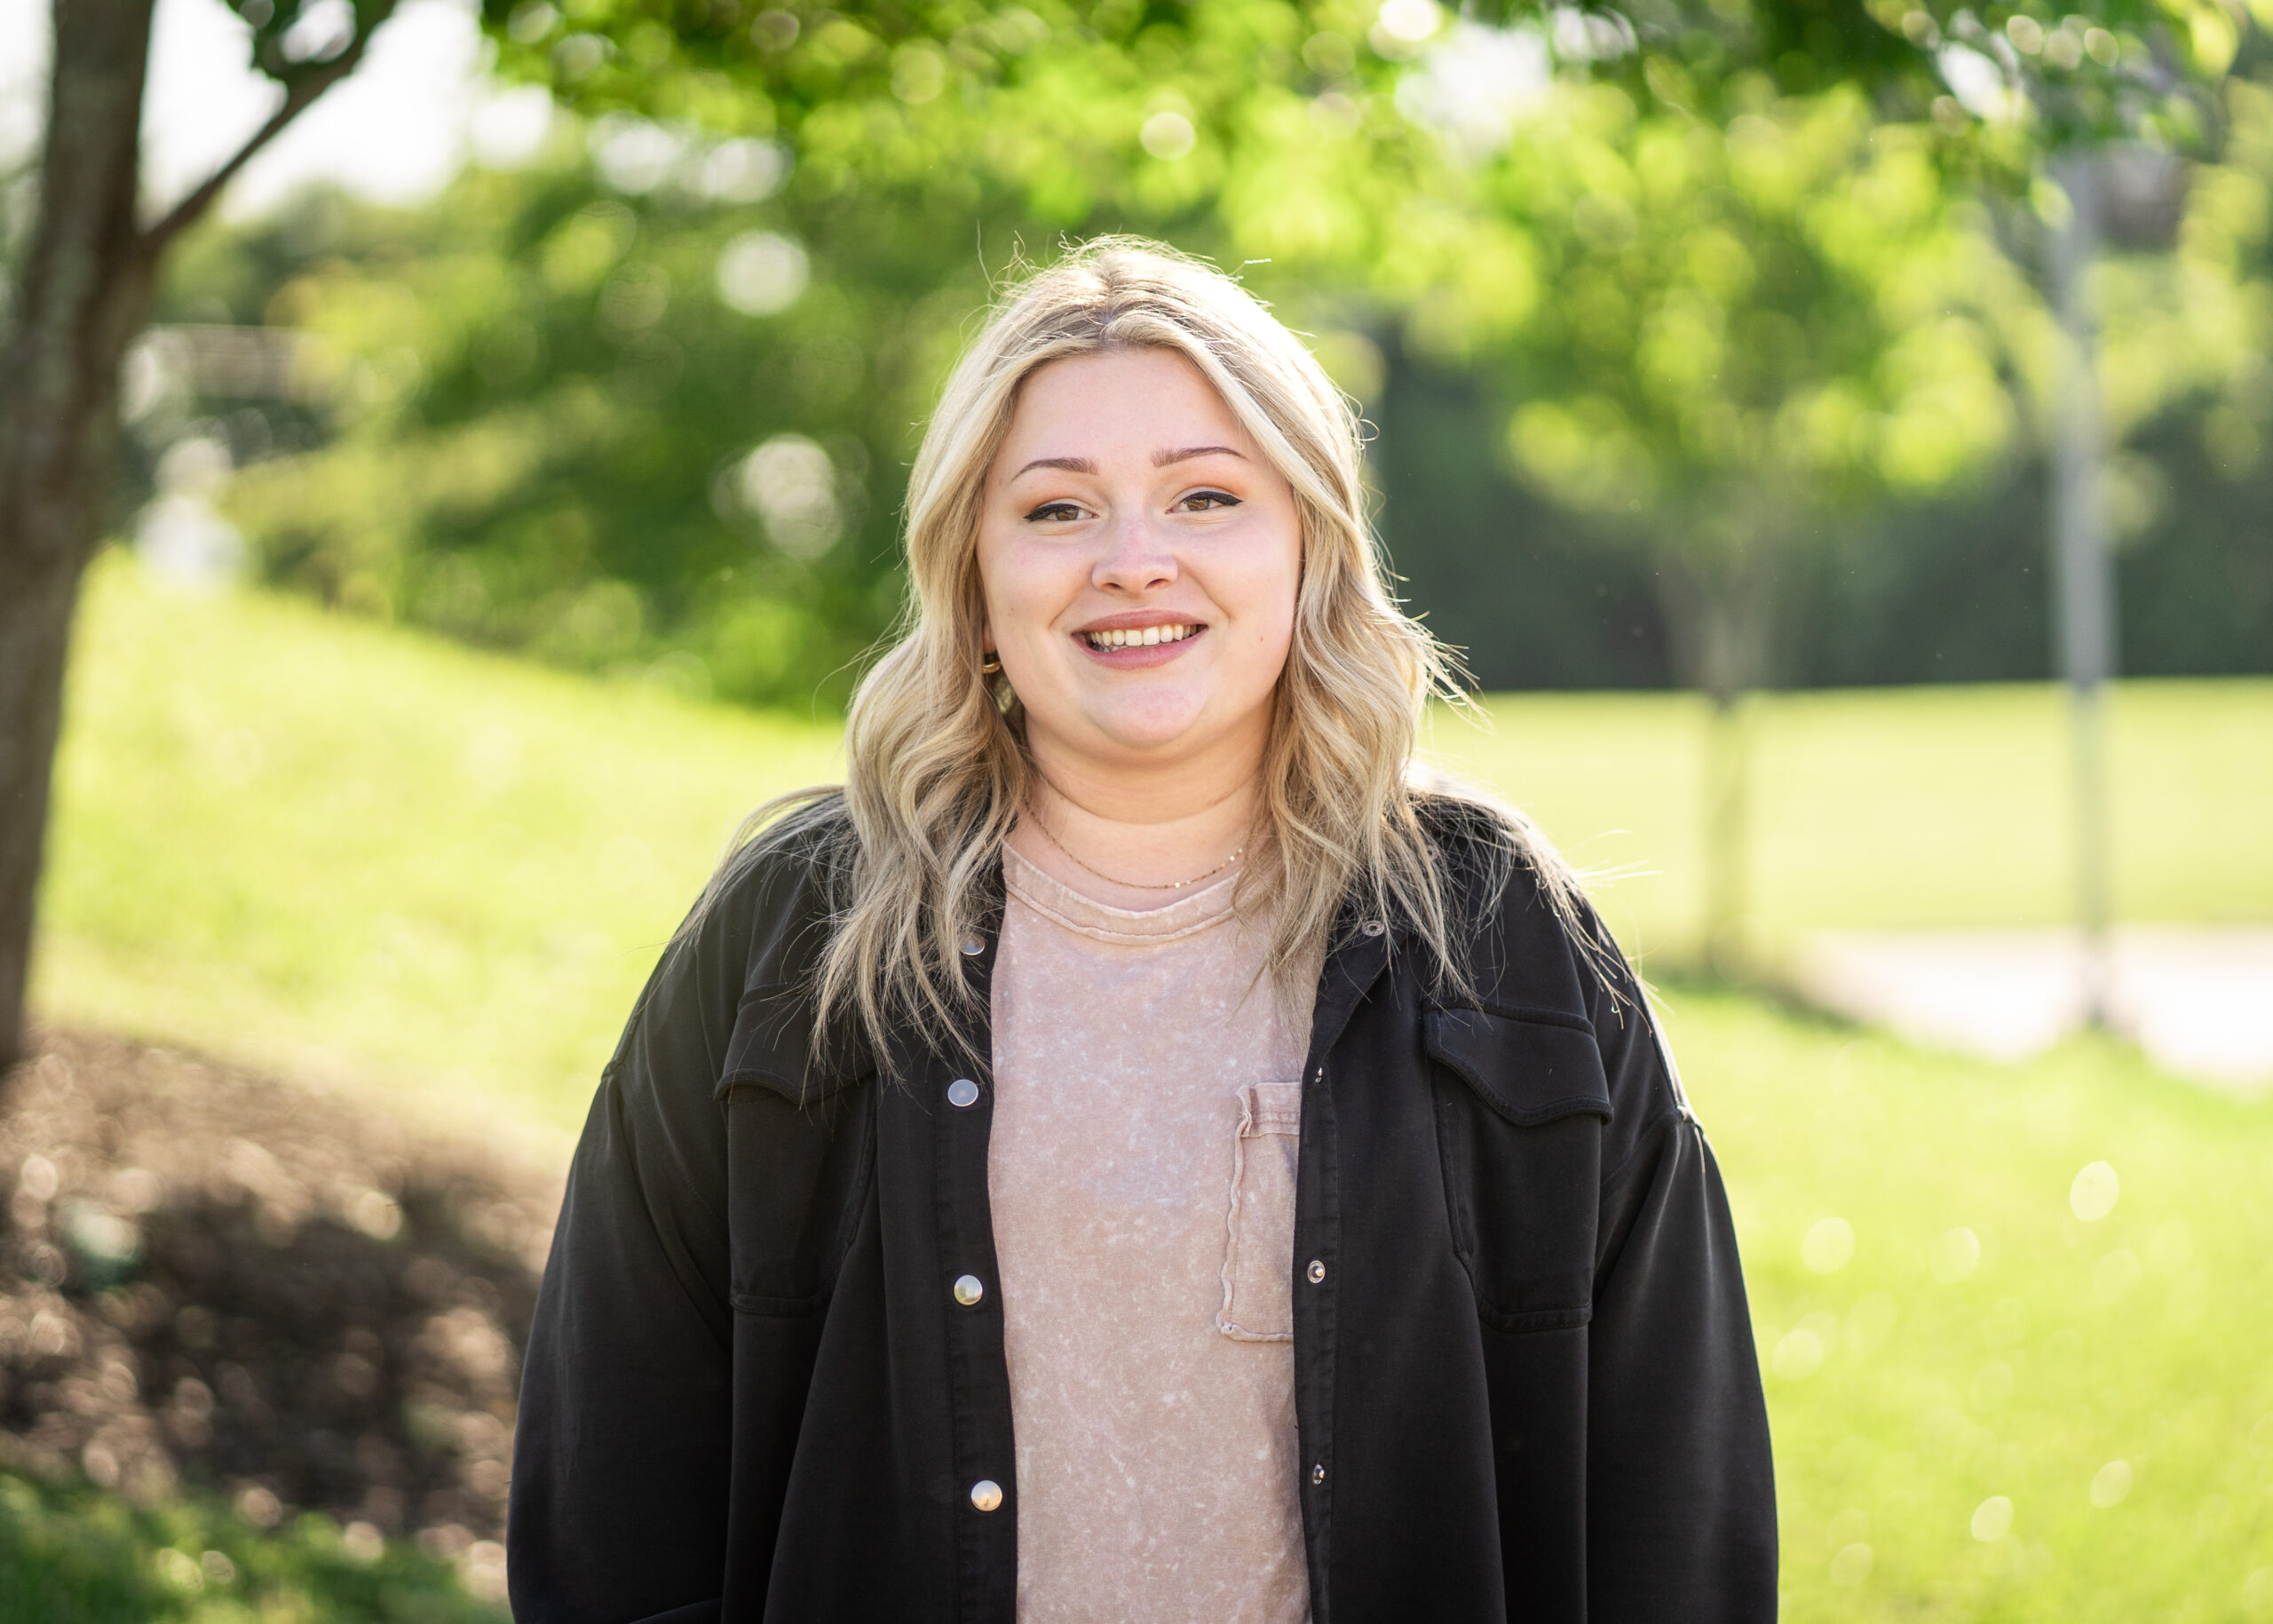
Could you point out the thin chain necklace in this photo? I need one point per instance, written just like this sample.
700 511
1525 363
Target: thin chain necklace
1131 884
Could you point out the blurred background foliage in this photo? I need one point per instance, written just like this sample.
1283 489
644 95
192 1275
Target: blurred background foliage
1692 361
602 422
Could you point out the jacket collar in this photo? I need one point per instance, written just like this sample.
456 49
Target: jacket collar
1357 960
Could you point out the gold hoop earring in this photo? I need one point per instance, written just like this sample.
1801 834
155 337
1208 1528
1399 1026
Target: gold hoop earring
990 665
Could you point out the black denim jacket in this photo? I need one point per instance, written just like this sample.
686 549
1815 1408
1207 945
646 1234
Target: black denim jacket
1524 1378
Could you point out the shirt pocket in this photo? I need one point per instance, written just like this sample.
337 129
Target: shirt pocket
1521 1103
1259 1253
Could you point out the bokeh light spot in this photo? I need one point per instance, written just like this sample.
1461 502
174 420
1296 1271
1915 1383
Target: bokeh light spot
1851 1565
763 273
1956 1254
1799 1354
2091 1195
1411 21
2110 1483
1993 1518
790 483
1829 1246
1168 136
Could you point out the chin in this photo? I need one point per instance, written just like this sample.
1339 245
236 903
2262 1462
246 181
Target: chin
1145 729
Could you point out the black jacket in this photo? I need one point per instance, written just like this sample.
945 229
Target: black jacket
1524 1378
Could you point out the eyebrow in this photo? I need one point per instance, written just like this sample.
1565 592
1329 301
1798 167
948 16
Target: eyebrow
1071 464
1161 459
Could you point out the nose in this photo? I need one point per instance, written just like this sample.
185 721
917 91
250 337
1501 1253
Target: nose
1136 560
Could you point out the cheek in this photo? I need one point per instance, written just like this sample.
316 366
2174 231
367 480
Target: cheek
1265 583
1018 585
1267 652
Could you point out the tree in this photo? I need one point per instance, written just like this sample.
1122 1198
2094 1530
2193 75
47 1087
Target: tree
648 407
1769 327
89 271
1753 291
649 400
91 266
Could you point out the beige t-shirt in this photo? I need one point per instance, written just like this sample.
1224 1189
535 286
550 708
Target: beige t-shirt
1141 1170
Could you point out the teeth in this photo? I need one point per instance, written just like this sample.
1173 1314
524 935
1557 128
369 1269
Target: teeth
1146 637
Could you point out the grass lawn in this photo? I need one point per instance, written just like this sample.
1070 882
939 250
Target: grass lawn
71 1555
1890 808
301 840
1978 1341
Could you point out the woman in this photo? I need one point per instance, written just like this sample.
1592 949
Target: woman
1131 1154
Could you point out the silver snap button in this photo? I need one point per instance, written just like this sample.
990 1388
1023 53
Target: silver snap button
973 946
1373 927
963 1091
1316 1271
1318 1473
968 1289
986 1494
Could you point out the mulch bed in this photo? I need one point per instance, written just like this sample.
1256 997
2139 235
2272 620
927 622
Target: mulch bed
281 1295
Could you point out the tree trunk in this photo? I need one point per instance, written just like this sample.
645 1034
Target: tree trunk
87 284
85 293
1728 839
1724 617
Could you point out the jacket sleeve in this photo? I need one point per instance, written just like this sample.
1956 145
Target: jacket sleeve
1681 1502
620 1456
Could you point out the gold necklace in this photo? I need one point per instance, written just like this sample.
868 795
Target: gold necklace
1131 884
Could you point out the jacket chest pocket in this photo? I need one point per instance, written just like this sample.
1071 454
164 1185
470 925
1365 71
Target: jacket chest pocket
1521 1103
797 1158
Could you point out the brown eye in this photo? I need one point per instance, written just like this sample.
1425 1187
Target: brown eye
1201 501
1054 512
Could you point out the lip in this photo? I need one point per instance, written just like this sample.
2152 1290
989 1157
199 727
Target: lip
1140 658
1137 620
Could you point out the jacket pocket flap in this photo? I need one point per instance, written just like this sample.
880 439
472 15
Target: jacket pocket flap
1528 1071
773 1047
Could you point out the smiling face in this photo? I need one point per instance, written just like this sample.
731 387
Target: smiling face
1139 558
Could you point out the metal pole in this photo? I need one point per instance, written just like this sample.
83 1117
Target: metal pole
2083 566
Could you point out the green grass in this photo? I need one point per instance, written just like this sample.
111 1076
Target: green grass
295 837
283 836
72 1554
1896 808
2140 1337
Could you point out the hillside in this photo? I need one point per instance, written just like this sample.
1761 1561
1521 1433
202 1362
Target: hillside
306 840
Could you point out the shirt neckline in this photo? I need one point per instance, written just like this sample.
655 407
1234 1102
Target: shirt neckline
1068 909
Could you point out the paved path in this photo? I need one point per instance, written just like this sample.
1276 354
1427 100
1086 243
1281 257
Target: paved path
2199 1000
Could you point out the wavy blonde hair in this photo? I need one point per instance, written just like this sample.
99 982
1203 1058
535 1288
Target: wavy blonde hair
938 766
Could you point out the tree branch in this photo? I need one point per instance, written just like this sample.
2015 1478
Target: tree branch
299 94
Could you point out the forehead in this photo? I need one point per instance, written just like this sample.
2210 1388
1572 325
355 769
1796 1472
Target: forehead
1143 398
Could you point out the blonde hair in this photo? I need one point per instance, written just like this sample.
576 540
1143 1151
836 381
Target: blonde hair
938 768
